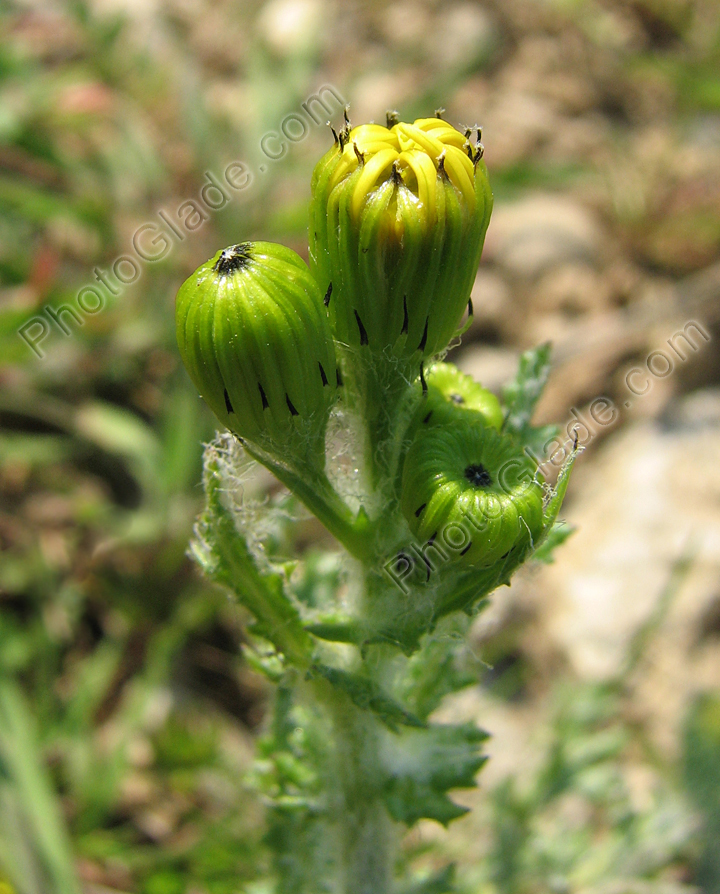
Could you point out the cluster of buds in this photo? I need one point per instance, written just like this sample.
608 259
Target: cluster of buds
397 223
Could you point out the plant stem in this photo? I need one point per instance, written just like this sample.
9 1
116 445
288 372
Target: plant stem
377 392
312 486
366 839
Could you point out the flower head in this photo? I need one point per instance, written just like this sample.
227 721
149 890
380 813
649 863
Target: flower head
255 339
397 222
470 489
453 397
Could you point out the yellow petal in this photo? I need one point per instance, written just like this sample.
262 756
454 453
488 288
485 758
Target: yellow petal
412 137
372 169
426 176
460 170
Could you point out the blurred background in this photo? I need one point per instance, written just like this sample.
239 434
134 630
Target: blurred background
137 137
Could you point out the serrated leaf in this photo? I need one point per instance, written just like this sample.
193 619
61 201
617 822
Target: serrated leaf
523 392
223 554
367 695
552 508
421 766
434 671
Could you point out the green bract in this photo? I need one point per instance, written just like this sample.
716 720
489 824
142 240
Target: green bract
468 490
453 397
254 337
397 222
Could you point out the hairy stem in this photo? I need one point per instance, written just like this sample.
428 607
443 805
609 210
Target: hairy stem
366 839
312 486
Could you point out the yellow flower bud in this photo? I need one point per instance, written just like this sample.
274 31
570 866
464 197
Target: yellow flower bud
397 222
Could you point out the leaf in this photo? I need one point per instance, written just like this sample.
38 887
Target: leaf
34 842
223 554
558 534
421 766
552 507
435 670
523 392
337 629
367 695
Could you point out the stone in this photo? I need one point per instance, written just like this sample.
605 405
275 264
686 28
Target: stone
490 366
646 554
492 309
529 236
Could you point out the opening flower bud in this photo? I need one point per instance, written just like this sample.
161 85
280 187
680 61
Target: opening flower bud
397 222
453 397
469 490
255 339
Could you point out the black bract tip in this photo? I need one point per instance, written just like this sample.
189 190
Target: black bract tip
265 403
361 329
423 340
234 258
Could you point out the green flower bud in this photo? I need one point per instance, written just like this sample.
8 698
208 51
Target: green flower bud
453 397
469 490
397 223
255 339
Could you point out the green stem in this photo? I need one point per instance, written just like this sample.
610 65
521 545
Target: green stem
378 391
312 486
366 838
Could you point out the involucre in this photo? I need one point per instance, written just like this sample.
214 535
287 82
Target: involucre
453 397
397 222
473 492
255 339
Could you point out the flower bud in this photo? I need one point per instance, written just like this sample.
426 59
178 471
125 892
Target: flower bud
397 222
472 493
453 397
255 339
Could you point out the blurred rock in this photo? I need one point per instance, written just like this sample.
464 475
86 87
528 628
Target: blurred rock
573 289
491 305
530 236
406 23
291 27
649 501
514 125
464 35
490 366
377 91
